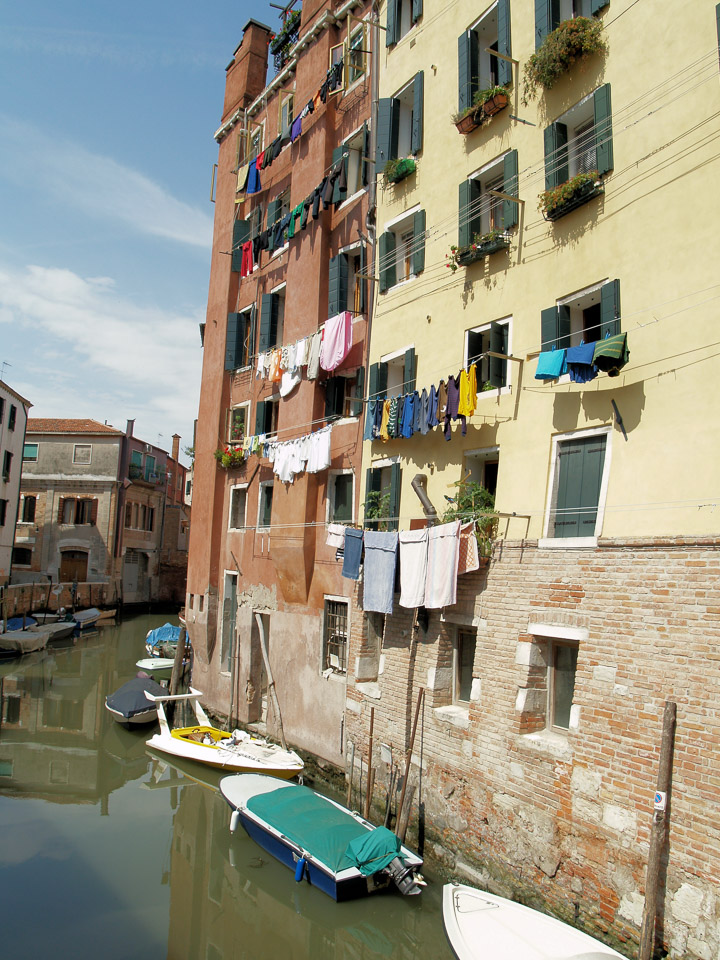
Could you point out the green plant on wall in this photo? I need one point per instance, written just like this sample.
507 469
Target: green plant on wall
475 502
572 40
377 509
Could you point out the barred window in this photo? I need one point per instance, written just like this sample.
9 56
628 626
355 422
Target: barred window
335 640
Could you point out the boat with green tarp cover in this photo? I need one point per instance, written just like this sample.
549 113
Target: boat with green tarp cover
326 844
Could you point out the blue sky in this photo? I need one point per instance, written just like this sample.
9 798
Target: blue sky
106 152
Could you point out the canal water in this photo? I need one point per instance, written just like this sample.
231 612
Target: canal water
108 851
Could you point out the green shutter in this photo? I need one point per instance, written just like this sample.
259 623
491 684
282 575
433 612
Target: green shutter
272 212
418 255
260 417
361 280
467 69
266 317
580 467
409 371
504 69
469 214
393 23
417 9
548 328
563 329
364 159
609 309
378 381
510 186
233 341
356 407
556 155
241 233
547 17
386 264
416 140
387 134
603 128
337 285
597 5
497 368
394 509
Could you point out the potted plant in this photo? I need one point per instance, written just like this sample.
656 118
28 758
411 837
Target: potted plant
396 170
482 246
492 99
229 456
555 203
572 40
377 510
475 502
469 119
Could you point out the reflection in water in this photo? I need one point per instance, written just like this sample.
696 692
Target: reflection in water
154 872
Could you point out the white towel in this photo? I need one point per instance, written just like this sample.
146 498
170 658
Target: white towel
413 567
336 535
442 565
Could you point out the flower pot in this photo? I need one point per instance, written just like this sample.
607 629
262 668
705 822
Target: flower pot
479 251
584 192
495 104
403 169
468 123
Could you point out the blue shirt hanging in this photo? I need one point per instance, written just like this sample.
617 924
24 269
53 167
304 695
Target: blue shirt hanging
551 365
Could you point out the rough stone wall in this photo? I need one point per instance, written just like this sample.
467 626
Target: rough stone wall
564 819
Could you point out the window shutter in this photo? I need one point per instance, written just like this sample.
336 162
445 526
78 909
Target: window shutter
547 17
580 467
337 153
603 128
497 368
417 9
356 407
468 211
467 69
556 155
378 381
241 233
251 333
394 509
232 341
510 186
266 316
364 159
597 5
409 371
392 23
361 281
418 255
337 285
259 417
272 209
386 265
417 120
555 328
504 69
609 309
387 134
563 341
93 511
61 505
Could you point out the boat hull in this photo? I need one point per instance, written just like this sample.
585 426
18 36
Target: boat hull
159 668
221 759
138 720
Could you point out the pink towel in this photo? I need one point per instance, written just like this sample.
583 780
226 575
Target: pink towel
337 340
413 567
469 554
442 565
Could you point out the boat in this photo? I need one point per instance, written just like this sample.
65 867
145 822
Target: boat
60 630
14 643
86 619
158 667
45 617
163 641
333 848
237 751
107 616
480 924
20 623
130 706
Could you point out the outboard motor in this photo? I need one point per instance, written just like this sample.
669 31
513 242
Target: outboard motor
404 877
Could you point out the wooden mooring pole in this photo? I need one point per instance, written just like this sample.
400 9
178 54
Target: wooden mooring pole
658 832
371 772
401 833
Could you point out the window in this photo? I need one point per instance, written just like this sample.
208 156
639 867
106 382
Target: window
335 635
30 452
277 209
82 453
266 416
481 466
229 614
28 509
73 510
382 496
394 375
562 667
238 420
340 497
478 68
549 14
401 16
356 58
581 140
253 142
128 514
2 409
588 315
400 123
286 114
238 507
492 372
272 316
142 516
3 512
7 465
12 418
240 339
343 395
402 250
479 211
578 486
463 661
355 150
150 521
188 487
265 500
22 556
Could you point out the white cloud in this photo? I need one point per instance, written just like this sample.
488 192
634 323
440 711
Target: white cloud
98 185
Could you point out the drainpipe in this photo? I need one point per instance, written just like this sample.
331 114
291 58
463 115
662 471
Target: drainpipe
419 485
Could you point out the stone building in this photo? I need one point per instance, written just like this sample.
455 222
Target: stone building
13 419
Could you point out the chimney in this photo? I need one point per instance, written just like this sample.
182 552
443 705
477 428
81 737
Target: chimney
176 447
129 428
247 72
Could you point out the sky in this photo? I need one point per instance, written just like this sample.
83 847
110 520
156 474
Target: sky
106 153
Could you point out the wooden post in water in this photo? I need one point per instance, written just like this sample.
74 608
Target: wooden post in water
271 683
408 758
350 778
368 793
658 832
178 663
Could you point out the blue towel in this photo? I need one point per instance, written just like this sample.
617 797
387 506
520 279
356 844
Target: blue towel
368 433
380 558
253 181
551 365
353 553
580 363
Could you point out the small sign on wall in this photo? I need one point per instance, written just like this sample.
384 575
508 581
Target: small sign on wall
660 800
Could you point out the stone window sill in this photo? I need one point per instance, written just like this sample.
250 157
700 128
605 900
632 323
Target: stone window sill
455 714
548 742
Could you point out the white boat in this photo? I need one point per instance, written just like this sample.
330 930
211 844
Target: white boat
479 924
159 668
237 752
129 705
60 630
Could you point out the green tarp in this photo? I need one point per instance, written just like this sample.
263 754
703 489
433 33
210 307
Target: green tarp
374 850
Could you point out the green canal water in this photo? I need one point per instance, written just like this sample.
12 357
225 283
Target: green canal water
110 852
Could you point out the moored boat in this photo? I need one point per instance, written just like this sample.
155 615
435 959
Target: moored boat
14 643
482 925
60 630
86 619
158 667
333 848
163 641
130 706
237 751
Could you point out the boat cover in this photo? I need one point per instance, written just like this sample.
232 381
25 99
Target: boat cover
16 623
130 699
374 850
165 634
312 822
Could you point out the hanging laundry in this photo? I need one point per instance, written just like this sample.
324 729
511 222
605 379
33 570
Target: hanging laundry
253 180
379 575
262 365
337 340
294 214
319 450
246 264
384 420
242 177
301 348
468 553
611 354
369 431
274 374
468 391
442 565
288 382
452 407
353 553
432 409
407 417
413 567
296 128
335 535
313 365
392 418
307 203
551 365
580 363
417 413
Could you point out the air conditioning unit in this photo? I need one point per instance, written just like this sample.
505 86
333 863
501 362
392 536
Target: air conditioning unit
148 448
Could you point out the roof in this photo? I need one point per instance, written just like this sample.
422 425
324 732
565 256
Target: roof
47 425
4 386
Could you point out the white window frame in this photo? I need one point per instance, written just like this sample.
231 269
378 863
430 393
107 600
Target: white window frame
239 406
263 485
568 543
396 225
406 98
330 506
490 172
486 62
575 118
362 26
576 327
484 395
79 446
394 361
243 487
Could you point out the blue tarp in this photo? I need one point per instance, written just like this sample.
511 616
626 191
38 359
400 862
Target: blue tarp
130 698
165 634
16 623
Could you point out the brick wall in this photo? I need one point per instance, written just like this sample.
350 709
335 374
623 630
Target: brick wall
563 818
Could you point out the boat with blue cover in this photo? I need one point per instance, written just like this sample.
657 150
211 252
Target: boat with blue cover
324 843
162 641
